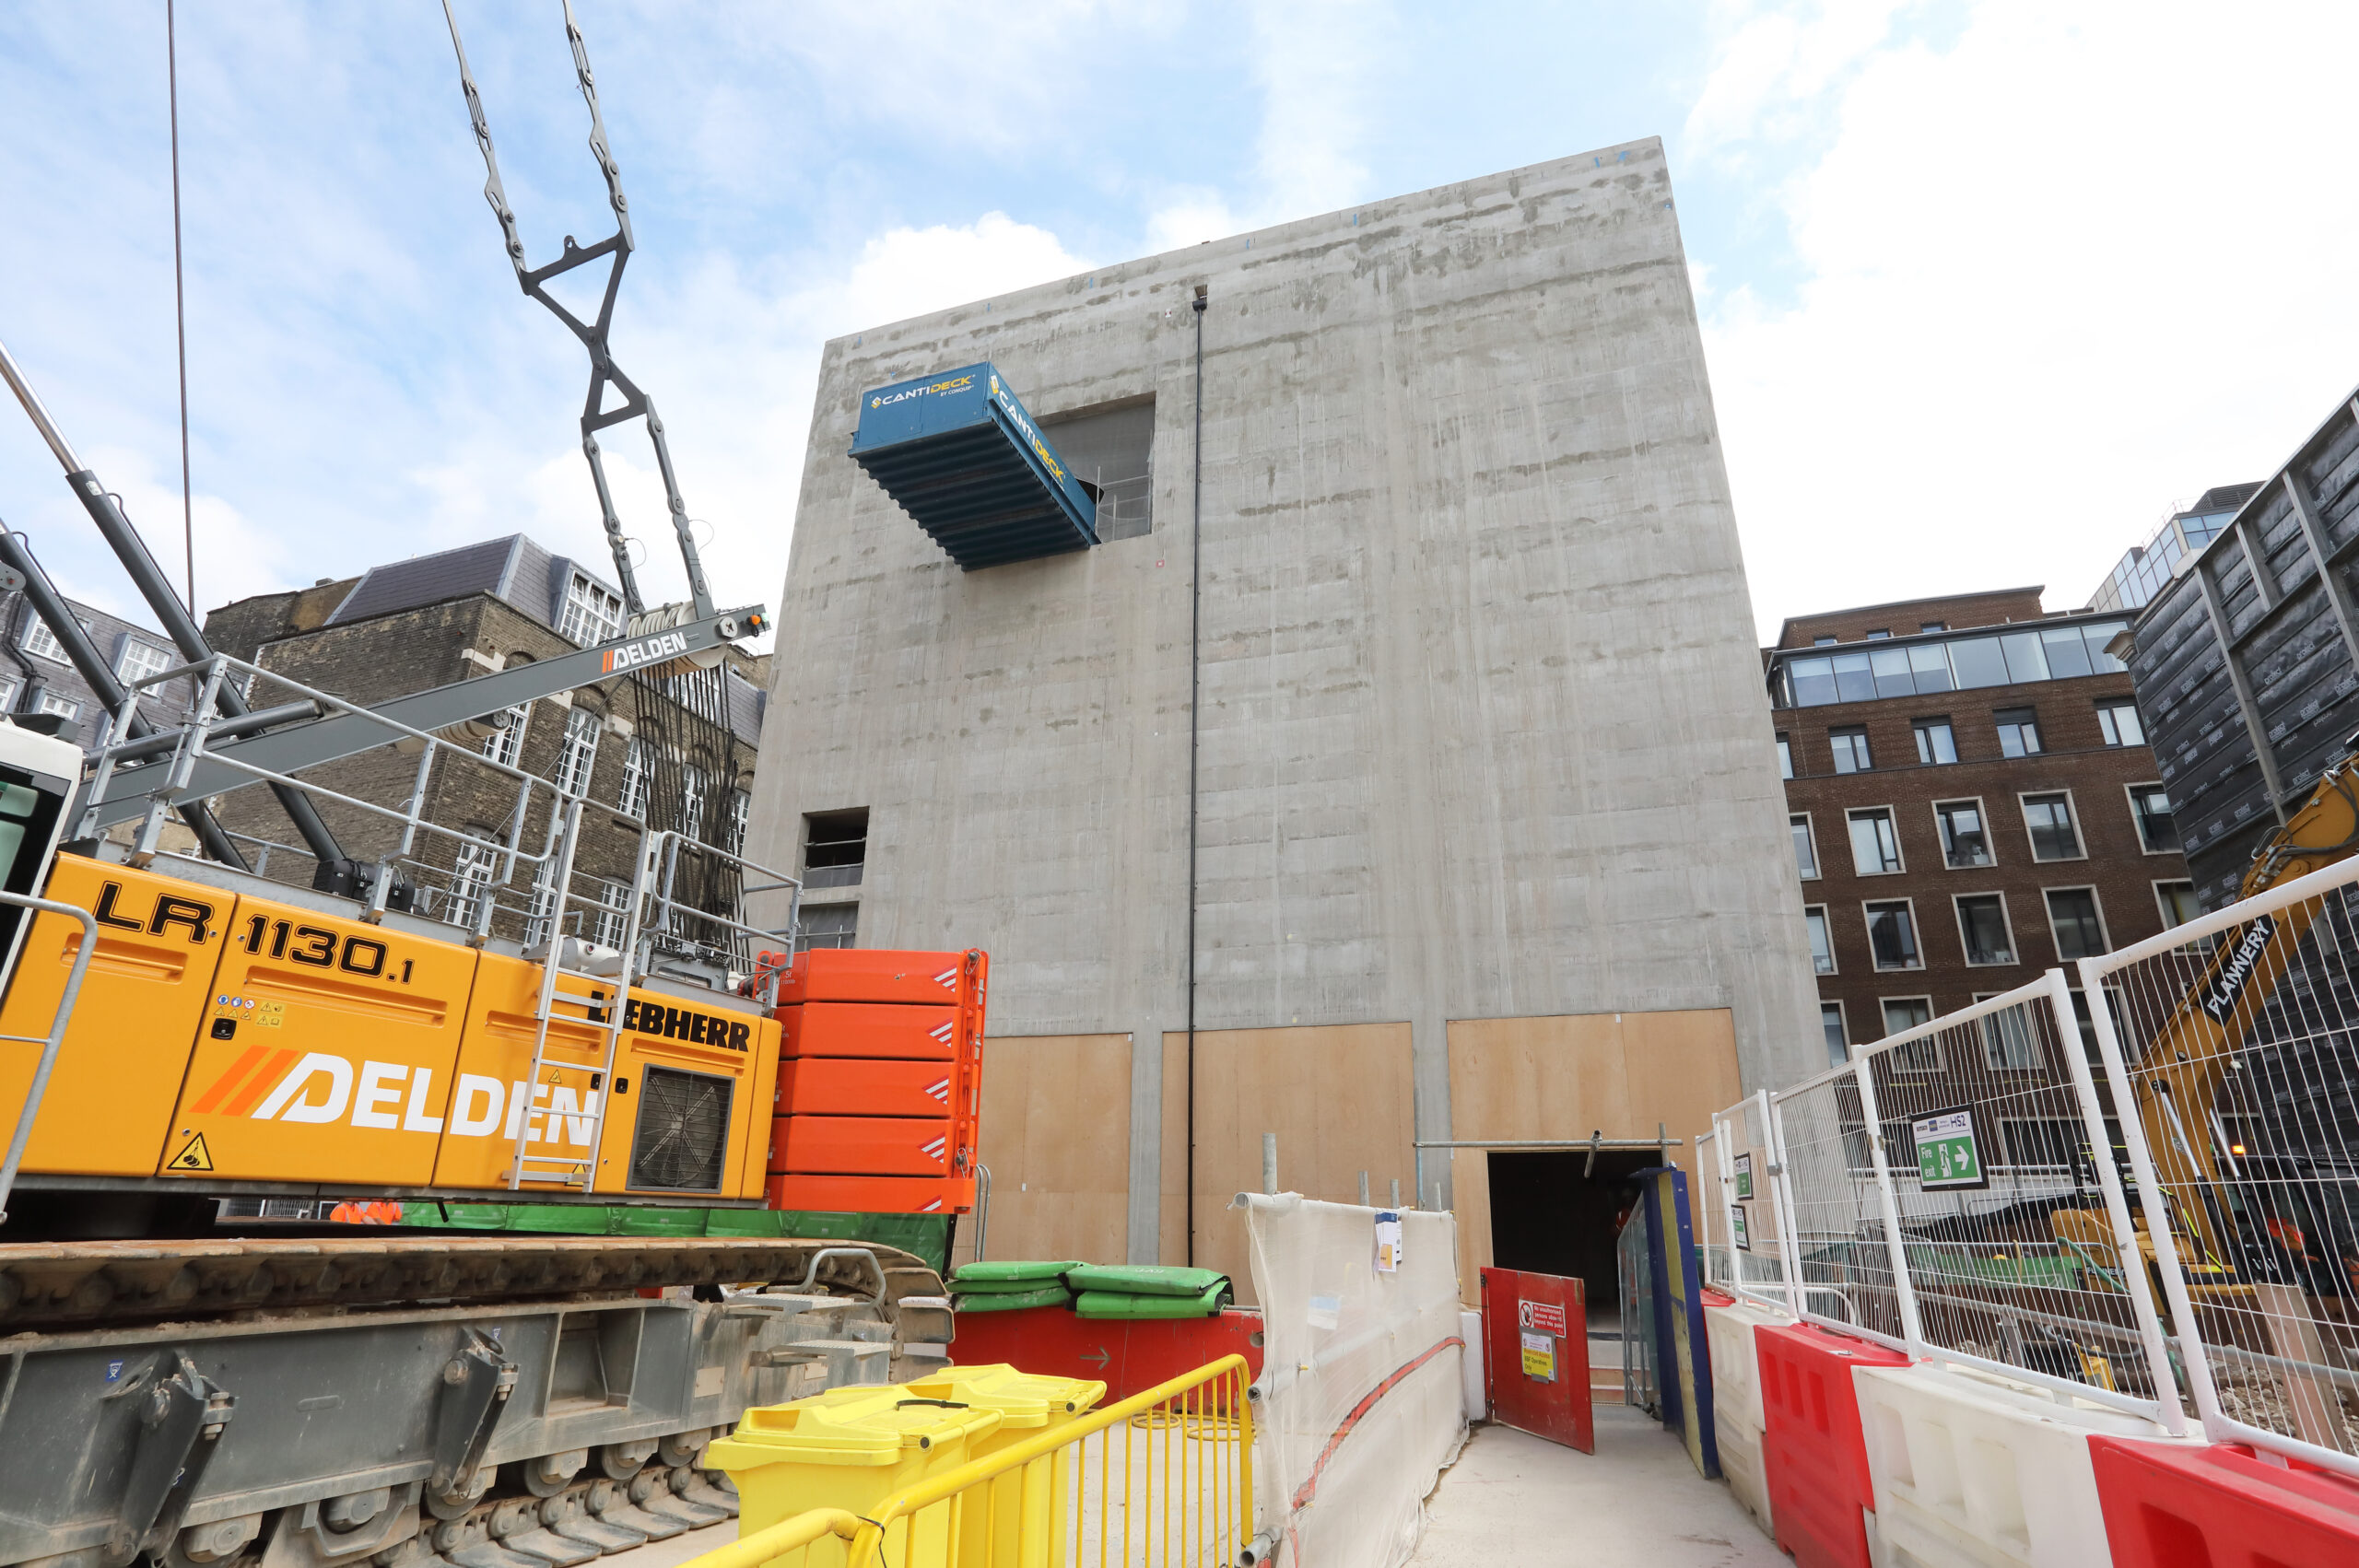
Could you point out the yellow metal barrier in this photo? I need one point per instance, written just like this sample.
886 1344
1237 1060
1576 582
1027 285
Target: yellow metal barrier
1161 1480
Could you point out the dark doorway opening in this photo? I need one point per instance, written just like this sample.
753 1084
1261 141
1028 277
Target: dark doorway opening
1550 1219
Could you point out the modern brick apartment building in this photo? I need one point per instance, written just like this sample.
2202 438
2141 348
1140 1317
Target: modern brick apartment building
1972 801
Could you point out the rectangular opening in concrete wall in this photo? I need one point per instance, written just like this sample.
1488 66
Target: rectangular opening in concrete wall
1109 447
834 848
1559 1213
828 924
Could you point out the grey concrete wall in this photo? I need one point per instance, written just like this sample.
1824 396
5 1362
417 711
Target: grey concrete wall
1483 731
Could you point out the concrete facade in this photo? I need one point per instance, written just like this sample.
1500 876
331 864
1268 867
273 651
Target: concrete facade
1482 733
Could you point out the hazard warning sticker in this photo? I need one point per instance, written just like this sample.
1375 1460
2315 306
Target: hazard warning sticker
193 1156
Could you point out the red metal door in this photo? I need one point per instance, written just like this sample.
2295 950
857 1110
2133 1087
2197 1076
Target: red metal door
1535 1355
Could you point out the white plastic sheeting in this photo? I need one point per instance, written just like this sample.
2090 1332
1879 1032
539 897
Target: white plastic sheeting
1361 1378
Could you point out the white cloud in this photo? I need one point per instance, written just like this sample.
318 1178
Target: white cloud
2076 264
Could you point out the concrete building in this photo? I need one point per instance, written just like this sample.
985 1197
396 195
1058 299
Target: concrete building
1410 691
1973 801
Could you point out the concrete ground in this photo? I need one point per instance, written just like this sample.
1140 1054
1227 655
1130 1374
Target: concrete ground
1515 1498
671 1554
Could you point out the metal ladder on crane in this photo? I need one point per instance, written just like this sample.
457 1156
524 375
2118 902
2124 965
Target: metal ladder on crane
576 1171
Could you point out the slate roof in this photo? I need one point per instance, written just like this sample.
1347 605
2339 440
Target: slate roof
23 675
513 569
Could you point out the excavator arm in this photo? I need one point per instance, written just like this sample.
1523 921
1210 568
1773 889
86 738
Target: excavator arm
2181 1072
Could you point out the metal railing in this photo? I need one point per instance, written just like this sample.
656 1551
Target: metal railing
63 1014
1161 1480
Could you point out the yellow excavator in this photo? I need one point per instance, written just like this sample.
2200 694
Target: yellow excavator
2179 1071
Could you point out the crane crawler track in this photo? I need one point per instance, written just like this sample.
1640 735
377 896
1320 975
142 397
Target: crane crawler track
67 1284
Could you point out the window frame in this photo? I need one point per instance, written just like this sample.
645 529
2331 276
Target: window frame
164 659
1785 755
1826 923
505 748
1842 1027
1915 936
581 602
2096 902
631 789
2138 818
1982 810
37 630
2161 882
1998 724
2109 728
65 707
2071 809
1899 852
1838 738
1917 728
1817 862
2038 1062
1933 1040
2006 919
569 749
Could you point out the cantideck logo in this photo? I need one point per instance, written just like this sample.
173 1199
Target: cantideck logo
2228 982
955 383
1015 416
649 650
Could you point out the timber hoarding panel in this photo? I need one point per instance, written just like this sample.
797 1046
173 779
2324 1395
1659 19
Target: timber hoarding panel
1564 1076
1339 1096
1056 1134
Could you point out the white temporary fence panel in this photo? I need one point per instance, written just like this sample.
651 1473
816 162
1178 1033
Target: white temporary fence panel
1740 1192
2012 1222
2232 1045
1361 1389
1978 1472
1838 1218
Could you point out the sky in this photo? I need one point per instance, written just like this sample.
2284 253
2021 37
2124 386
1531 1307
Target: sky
1987 286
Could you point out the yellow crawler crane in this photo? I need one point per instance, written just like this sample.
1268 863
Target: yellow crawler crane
2184 1061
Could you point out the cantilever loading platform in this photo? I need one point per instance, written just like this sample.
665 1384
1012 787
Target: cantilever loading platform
960 454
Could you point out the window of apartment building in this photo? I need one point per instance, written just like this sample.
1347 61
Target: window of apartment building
138 658
828 924
2177 902
503 745
41 642
1902 1013
1822 942
1965 841
592 613
63 706
1982 925
614 901
740 806
1875 848
2120 722
2007 1044
2048 818
542 904
694 787
1881 634
1785 758
1892 935
631 799
834 848
8 689
2076 920
1850 749
1933 626
1935 741
2018 732
1111 451
2158 828
471 870
577 757
1822 640
1830 1021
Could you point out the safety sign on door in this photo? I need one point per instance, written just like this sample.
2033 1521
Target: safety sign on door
1949 1158
1540 1357
1544 1316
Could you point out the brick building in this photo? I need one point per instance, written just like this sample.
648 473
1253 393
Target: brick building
677 752
1972 802
35 676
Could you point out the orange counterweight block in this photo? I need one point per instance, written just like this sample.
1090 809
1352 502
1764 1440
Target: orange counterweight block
857 1087
873 1195
108 1110
684 1111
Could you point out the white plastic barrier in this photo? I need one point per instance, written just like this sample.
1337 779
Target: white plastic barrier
1475 1398
1737 1417
1973 1471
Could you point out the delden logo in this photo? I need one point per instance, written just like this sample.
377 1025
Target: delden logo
955 383
317 1088
2228 983
650 651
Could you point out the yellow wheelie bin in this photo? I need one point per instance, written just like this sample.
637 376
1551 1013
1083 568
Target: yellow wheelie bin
1022 1519
851 1448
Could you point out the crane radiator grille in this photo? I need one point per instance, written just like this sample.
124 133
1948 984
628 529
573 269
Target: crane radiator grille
682 1140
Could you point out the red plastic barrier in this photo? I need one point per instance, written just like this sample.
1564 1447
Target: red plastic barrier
1811 1448
1127 1355
2220 1507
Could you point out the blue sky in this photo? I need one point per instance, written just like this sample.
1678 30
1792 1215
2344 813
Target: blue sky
1986 287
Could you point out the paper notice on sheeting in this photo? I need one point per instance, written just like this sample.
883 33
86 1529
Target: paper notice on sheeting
1540 1357
1324 1312
1388 1242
